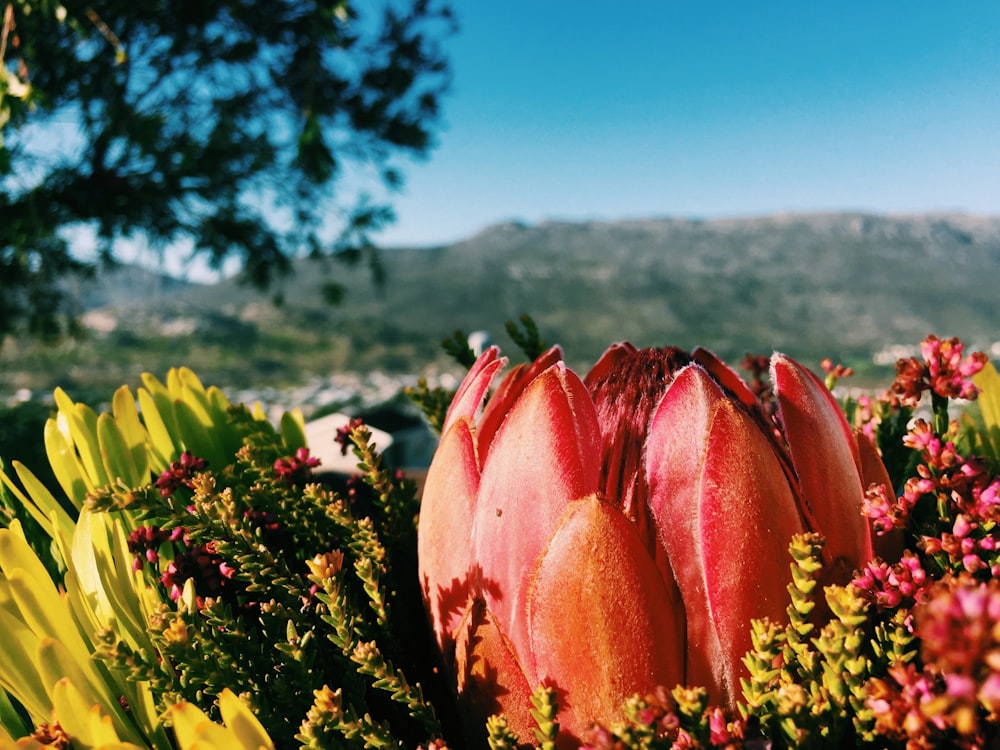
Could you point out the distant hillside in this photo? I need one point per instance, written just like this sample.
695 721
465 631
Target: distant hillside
122 286
844 285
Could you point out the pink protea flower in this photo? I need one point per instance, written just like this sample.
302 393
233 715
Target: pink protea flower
608 534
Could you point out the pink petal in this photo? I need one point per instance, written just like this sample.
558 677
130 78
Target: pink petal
826 461
490 679
682 417
474 386
508 391
725 375
444 539
545 455
603 625
725 514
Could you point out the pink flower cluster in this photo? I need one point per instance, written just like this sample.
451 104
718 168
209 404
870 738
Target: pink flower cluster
660 715
945 703
296 469
959 490
343 438
145 543
834 372
943 371
180 473
200 562
902 584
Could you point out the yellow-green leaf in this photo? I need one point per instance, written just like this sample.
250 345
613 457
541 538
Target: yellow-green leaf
127 416
241 721
162 446
293 430
164 401
19 673
988 379
218 404
195 730
56 662
27 504
48 617
197 436
17 557
116 453
64 462
81 718
82 422
55 516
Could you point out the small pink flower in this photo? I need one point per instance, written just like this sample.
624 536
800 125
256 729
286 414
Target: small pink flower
180 473
943 371
296 469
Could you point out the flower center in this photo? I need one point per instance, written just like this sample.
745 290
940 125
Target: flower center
625 396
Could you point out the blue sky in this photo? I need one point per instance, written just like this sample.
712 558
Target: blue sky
597 110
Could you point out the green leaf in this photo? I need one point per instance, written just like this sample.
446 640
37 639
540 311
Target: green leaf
117 454
57 662
10 719
55 515
292 427
64 461
161 441
127 417
197 436
82 421
18 671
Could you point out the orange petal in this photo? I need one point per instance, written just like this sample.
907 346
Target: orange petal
469 396
546 454
490 680
508 391
444 538
603 625
725 514
826 462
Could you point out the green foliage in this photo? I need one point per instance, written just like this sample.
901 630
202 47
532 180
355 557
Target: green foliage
526 337
457 347
543 710
226 125
157 577
433 402
249 575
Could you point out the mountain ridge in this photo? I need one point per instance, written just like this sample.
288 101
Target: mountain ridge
842 284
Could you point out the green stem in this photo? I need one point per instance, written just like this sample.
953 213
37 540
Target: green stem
939 405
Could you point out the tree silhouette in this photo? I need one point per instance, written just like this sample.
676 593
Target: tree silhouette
238 129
